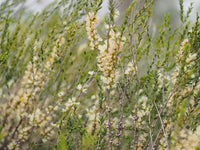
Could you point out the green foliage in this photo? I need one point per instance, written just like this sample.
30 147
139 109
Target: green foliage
56 94
62 145
88 142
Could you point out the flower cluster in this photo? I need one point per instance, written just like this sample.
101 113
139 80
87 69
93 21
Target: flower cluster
23 113
139 115
130 69
188 74
93 117
179 59
184 71
187 139
50 60
54 93
82 88
69 104
91 20
162 78
107 58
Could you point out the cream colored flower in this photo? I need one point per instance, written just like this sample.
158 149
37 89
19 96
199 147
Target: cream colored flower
61 94
82 88
91 20
116 14
91 73
191 58
130 69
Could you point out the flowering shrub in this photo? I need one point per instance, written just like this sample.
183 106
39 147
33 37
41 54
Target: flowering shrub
72 80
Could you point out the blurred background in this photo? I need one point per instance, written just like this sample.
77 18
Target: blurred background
161 7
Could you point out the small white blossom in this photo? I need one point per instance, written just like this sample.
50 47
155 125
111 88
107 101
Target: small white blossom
44 140
71 102
60 94
191 58
81 88
116 14
64 22
91 73
102 48
12 145
94 97
56 108
106 26
130 68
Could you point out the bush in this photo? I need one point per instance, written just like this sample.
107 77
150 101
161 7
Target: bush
72 80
